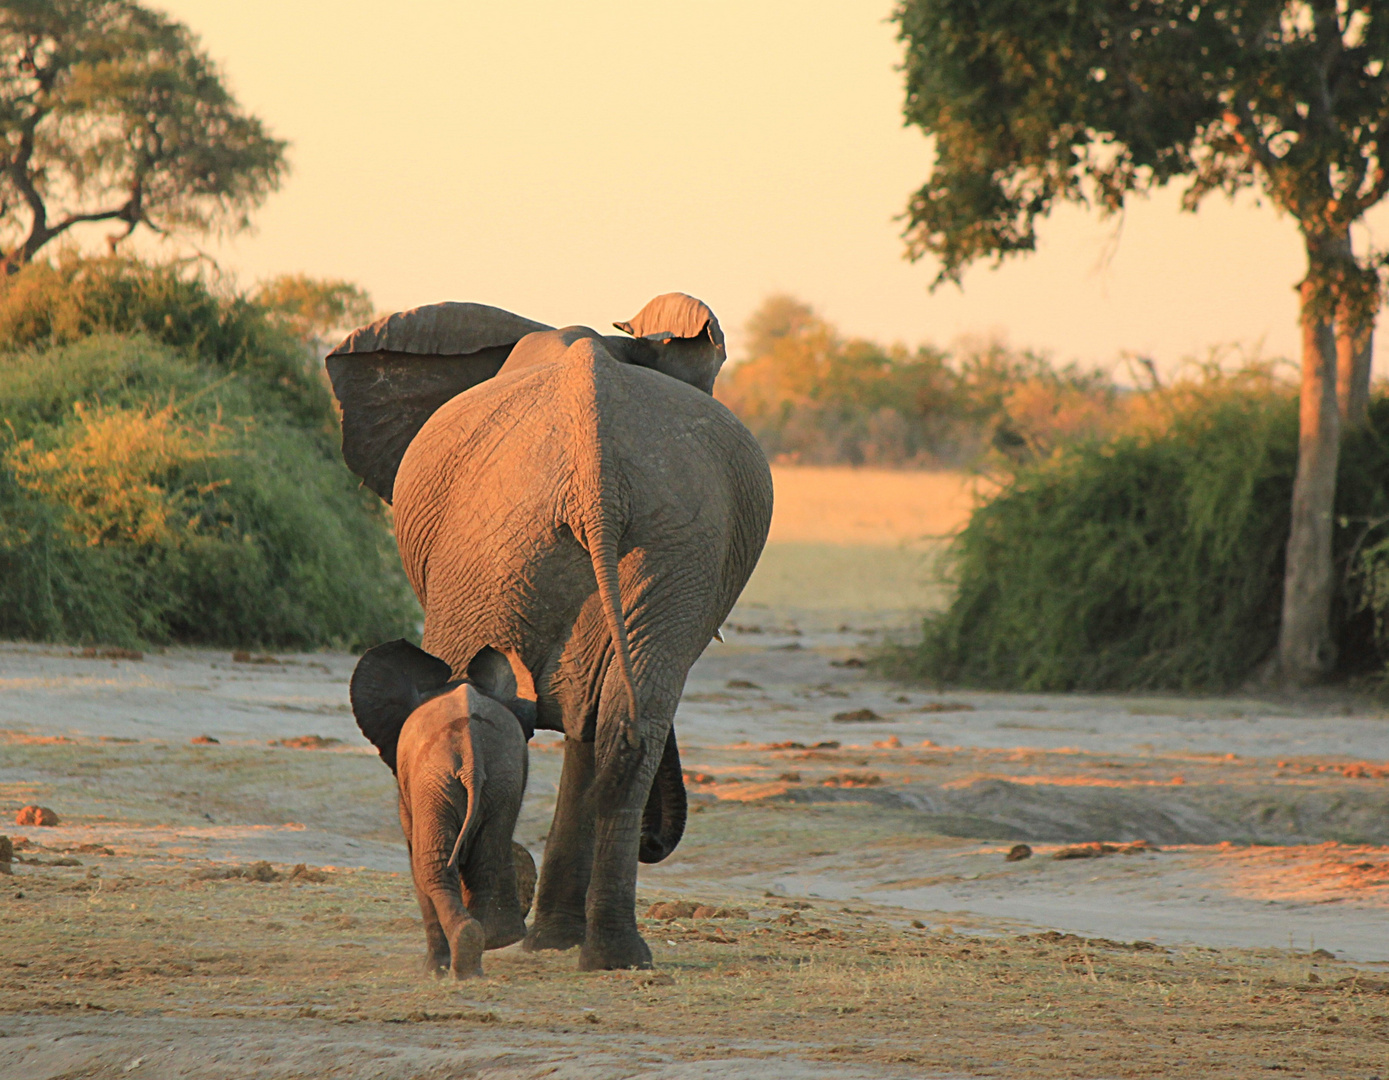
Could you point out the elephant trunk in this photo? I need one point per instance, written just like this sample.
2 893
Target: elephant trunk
663 821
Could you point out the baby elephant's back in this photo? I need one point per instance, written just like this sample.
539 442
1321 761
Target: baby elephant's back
455 733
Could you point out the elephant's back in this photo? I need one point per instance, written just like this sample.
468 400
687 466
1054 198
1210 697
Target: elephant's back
431 750
684 453
486 505
485 457
485 427
480 516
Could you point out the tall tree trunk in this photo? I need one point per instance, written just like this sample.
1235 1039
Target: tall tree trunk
1306 651
1355 343
1357 304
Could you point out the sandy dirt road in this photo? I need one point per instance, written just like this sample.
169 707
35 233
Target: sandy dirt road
1267 899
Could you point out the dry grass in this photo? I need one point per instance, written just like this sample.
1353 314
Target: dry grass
823 586
867 507
135 942
849 545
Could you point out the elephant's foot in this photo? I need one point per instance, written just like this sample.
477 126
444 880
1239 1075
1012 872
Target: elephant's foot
614 951
504 930
555 932
467 946
436 964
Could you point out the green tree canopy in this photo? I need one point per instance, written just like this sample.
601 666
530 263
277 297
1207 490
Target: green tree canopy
1090 101
112 112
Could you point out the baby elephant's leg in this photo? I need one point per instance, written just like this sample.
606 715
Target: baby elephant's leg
436 945
457 939
489 882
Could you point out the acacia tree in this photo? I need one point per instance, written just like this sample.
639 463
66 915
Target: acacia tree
1091 101
112 112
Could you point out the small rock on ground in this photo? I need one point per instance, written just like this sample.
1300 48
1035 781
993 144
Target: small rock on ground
858 716
35 815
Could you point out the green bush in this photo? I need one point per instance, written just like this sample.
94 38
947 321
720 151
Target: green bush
62 303
148 494
1154 558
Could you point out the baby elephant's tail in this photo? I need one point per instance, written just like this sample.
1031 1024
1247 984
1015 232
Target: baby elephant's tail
472 776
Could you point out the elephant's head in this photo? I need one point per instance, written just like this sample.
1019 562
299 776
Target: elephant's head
393 680
685 338
390 377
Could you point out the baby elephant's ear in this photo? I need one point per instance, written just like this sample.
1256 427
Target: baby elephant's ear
491 673
390 682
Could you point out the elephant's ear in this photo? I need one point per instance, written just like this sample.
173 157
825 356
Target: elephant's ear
390 377
682 337
674 315
491 673
389 683
504 679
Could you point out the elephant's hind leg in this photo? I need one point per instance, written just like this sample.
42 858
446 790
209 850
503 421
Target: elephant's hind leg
436 944
561 891
621 788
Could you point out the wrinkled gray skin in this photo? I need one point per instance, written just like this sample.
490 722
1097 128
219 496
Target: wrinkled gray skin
594 518
460 764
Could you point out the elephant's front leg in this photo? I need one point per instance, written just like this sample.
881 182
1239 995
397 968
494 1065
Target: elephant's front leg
621 787
564 873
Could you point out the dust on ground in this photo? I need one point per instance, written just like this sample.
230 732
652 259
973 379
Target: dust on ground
854 831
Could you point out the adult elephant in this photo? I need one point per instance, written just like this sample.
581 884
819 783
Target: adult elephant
590 510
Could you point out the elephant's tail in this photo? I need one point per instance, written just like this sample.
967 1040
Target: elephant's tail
471 776
600 513
603 551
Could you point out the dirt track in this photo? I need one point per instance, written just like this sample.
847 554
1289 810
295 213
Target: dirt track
130 955
882 932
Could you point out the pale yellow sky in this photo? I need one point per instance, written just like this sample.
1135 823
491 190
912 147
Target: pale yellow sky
569 161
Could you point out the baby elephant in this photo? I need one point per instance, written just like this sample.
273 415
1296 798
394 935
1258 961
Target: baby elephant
458 750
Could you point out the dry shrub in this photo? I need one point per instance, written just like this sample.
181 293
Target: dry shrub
119 473
814 397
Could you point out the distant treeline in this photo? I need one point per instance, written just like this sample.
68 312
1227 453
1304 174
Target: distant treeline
814 397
